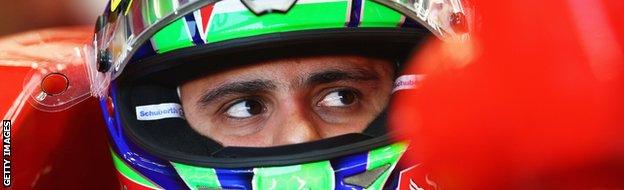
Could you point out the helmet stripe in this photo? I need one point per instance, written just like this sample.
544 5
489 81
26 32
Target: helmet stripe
349 166
175 35
377 15
193 28
235 178
316 175
226 24
328 174
130 174
354 13
198 177
230 19
384 156
202 18
172 37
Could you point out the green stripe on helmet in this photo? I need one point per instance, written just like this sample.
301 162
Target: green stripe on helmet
384 156
231 20
377 15
198 177
232 25
317 175
130 173
173 36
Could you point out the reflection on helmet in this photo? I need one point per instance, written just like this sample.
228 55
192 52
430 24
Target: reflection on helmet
148 48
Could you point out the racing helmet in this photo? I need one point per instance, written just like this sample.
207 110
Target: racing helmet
144 49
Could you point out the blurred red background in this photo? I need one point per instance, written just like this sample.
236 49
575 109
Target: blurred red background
23 15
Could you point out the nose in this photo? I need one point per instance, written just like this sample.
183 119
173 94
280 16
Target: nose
297 126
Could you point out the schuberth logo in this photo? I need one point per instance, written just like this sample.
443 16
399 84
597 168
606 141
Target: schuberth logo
407 82
159 111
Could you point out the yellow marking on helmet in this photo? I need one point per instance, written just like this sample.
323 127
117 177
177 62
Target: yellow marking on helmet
128 8
114 4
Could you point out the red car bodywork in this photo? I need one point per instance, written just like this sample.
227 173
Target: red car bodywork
60 150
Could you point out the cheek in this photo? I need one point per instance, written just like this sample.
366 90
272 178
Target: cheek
380 97
196 120
355 125
191 114
229 135
254 140
254 134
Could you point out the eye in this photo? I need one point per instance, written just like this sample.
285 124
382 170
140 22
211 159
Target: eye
339 98
245 109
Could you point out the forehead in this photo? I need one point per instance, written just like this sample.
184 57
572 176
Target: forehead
299 67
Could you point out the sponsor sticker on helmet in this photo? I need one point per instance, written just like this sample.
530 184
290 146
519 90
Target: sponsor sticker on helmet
159 111
407 82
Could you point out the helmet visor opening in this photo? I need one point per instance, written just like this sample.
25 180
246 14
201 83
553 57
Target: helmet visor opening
174 139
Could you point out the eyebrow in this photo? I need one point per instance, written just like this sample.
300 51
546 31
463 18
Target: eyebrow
335 75
245 87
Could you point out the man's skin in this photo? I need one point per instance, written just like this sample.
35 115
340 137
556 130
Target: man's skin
288 101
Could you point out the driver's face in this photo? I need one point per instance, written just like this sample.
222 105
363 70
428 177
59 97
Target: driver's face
288 101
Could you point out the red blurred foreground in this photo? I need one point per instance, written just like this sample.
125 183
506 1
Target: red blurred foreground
536 101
